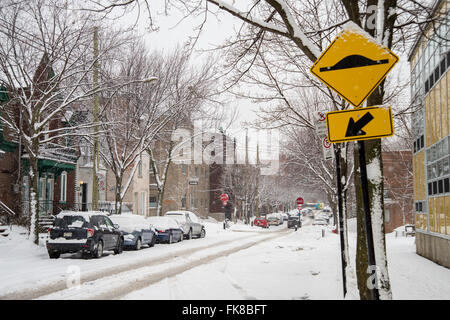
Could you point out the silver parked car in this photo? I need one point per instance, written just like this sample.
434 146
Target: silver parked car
189 222
320 222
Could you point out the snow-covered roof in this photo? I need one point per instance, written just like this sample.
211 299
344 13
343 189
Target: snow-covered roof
85 214
178 212
163 223
130 222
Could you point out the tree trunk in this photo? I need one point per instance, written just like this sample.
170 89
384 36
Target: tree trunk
33 194
376 203
119 199
375 184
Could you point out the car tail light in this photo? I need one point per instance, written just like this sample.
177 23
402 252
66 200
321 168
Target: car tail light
90 233
160 230
49 230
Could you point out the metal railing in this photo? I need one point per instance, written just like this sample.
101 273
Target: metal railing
50 207
6 209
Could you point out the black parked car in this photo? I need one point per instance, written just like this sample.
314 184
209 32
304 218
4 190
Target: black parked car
294 222
90 232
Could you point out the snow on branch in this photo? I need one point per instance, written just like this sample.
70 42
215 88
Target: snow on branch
291 31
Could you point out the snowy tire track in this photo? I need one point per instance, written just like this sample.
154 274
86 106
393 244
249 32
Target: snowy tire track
105 289
60 286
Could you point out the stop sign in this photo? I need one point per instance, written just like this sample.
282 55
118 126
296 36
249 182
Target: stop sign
224 197
299 201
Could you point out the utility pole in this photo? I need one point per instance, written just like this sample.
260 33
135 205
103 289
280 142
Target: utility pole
95 115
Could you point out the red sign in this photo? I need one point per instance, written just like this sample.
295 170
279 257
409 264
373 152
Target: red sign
224 197
322 116
299 201
326 144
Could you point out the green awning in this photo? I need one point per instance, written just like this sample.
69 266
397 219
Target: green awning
51 166
5 145
3 94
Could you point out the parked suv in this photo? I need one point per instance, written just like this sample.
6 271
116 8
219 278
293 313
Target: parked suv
189 222
90 232
294 222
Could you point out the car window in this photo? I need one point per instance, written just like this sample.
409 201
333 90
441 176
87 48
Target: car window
70 222
99 221
193 217
177 217
108 222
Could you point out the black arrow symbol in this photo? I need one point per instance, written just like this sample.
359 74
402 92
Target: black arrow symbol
354 128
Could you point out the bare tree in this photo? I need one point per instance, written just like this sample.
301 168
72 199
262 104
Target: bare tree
139 118
185 89
46 68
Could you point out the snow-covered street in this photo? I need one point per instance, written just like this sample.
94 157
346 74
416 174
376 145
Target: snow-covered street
242 262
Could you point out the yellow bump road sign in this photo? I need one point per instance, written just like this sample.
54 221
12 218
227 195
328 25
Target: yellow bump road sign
353 65
359 124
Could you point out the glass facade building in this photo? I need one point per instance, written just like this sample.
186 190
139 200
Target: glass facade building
430 62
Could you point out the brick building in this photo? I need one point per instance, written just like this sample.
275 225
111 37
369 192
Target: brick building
398 189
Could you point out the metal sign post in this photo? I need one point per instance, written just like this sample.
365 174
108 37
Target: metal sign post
337 152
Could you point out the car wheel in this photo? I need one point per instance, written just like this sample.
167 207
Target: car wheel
203 233
119 248
98 253
153 241
54 254
138 244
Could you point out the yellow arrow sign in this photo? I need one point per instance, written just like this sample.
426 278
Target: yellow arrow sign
359 124
353 65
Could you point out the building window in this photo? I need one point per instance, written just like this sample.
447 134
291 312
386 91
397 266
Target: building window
419 143
420 206
438 163
152 201
63 187
387 215
183 202
140 167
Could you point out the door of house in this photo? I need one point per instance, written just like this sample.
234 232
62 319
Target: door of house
84 197
41 195
45 193
49 195
143 202
136 203
25 195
